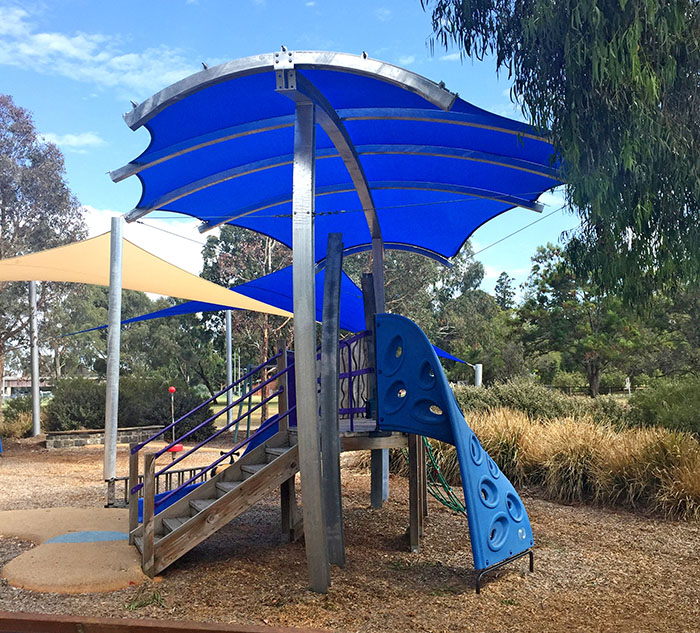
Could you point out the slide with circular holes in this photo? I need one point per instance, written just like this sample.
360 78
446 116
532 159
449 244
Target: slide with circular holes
415 397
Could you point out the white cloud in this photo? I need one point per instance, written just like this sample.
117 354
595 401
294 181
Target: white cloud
407 60
74 142
451 57
88 57
183 249
382 14
311 3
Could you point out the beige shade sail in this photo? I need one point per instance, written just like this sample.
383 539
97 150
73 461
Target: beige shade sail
87 262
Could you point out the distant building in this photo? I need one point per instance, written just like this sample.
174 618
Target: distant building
16 386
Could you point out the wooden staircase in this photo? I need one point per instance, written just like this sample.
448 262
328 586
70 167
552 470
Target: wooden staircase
219 500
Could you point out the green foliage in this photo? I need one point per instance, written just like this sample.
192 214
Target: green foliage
616 82
14 407
589 328
80 403
504 292
77 403
538 402
671 403
37 211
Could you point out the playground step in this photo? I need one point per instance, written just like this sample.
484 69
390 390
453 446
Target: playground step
173 523
274 453
227 486
248 470
201 504
138 541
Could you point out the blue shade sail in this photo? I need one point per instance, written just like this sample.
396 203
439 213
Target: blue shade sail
276 289
437 167
413 396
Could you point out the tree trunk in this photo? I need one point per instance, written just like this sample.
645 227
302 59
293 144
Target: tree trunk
593 370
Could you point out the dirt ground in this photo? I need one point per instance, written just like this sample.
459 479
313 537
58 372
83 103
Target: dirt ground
595 569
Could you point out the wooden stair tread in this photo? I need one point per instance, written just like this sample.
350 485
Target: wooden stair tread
251 469
201 504
173 523
228 486
281 450
138 541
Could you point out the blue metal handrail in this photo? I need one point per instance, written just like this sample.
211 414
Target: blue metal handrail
138 447
273 420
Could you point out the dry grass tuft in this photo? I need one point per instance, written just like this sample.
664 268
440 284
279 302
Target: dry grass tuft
575 460
17 427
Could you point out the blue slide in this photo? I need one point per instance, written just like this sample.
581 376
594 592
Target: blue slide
415 397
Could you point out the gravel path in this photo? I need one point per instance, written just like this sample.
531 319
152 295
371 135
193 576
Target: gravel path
595 569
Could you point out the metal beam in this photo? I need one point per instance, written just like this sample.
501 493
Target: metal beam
392 246
305 345
113 347
432 92
205 140
300 89
379 459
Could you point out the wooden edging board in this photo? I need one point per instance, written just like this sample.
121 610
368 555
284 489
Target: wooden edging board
11 622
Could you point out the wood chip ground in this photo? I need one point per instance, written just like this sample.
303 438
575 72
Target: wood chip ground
595 569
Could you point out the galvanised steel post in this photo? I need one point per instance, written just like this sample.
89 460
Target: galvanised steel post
113 348
229 368
303 252
33 337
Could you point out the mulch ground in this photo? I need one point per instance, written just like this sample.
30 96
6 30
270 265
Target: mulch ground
595 569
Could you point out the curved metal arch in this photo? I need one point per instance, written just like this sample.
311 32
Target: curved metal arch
392 246
323 60
435 116
437 151
298 88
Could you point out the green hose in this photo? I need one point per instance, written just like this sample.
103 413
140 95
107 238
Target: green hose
437 484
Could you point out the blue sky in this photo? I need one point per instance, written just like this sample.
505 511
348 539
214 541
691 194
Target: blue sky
76 64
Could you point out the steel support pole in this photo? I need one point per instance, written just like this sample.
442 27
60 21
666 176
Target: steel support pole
379 459
305 344
229 369
34 342
113 347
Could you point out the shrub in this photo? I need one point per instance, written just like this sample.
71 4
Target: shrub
80 403
672 404
17 426
14 407
539 402
77 403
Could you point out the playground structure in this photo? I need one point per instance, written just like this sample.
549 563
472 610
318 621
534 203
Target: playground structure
411 399
397 162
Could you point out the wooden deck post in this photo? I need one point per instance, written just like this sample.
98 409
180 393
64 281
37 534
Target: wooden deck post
133 498
414 501
330 423
149 492
288 501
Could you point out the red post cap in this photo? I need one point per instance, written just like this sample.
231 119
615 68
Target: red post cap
172 389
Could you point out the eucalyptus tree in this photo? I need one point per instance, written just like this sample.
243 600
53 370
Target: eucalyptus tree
37 211
617 84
